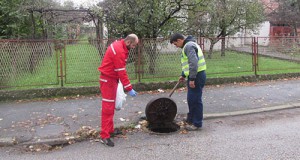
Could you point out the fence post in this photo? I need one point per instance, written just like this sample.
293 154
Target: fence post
201 43
59 46
61 68
64 74
139 60
254 55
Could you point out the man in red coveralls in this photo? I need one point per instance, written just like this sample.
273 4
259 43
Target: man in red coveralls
113 69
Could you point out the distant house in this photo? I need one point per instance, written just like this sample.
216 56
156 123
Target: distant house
273 27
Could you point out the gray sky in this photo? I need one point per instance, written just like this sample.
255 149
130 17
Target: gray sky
83 2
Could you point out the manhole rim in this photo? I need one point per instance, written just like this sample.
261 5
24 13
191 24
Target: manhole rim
159 133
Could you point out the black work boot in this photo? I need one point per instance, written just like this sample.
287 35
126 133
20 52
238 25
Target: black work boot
107 141
116 132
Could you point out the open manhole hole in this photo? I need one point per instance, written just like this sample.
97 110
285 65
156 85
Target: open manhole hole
164 127
160 114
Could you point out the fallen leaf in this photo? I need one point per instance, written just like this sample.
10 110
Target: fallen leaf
183 132
143 123
160 90
74 116
70 138
138 126
67 134
219 122
181 123
182 89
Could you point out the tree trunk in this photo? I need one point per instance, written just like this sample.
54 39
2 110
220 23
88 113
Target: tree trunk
295 30
99 29
153 57
211 47
223 47
33 25
98 42
45 35
32 58
150 49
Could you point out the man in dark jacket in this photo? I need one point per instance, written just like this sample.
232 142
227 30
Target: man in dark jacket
193 67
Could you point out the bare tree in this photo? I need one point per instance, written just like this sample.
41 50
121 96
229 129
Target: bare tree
227 17
287 13
146 18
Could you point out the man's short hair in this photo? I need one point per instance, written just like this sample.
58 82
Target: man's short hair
176 36
132 38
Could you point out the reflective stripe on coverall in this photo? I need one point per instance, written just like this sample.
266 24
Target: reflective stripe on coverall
108 87
113 69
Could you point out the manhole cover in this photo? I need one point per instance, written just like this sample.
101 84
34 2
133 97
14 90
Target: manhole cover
161 110
160 114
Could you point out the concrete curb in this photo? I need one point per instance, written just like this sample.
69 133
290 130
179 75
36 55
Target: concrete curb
50 142
7 95
10 141
251 111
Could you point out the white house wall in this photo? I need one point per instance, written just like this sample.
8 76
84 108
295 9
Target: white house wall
262 32
243 38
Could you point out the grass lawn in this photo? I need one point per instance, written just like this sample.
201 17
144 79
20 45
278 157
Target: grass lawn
82 60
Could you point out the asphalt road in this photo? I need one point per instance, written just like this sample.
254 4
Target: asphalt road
270 135
84 111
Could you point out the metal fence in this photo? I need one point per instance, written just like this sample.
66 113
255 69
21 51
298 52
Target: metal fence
255 55
282 49
236 57
65 62
22 63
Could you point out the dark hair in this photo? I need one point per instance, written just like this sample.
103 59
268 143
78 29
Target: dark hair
176 36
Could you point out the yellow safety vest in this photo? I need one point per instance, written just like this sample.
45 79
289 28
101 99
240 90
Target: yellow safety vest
185 64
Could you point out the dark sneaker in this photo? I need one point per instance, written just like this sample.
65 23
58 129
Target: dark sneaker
107 141
192 128
116 132
186 121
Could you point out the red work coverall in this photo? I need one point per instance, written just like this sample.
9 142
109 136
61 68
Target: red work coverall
112 69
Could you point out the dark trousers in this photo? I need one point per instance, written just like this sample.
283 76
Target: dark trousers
194 98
